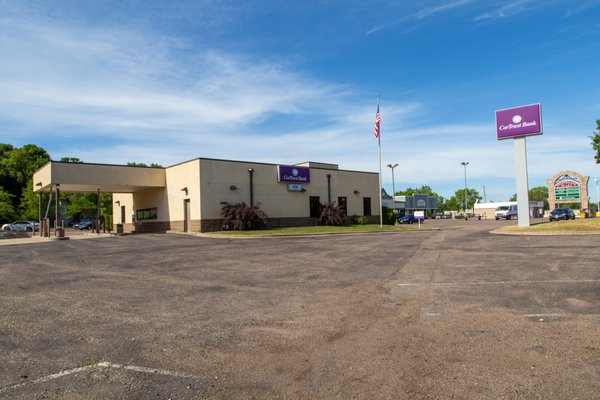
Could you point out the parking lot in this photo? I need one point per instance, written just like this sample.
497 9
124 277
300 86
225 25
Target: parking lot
455 312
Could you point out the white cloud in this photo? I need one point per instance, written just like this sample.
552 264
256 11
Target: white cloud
152 99
424 13
506 10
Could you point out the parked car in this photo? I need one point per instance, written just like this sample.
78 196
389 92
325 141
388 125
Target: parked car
561 213
21 226
406 219
507 212
85 224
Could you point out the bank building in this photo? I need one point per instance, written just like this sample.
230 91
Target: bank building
189 196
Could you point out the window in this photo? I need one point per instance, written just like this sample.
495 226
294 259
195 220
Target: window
343 203
367 206
315 206
146 213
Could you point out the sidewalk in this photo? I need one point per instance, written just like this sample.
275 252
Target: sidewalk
38 239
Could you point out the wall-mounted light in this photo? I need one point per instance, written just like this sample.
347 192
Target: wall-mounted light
39 184
118 202
185 189
232 187
356 192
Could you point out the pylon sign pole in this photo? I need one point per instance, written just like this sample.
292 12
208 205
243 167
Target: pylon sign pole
521 179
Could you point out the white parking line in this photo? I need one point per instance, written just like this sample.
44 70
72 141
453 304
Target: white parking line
47 378
145 370
499 283
101 364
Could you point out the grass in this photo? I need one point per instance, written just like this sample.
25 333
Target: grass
315 230
574 226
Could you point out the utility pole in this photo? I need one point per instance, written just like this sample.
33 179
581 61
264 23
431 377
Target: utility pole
464 164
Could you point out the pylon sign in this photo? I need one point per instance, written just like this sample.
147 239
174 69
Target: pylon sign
519 121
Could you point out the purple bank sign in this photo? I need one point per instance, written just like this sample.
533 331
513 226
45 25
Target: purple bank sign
291 173
519 121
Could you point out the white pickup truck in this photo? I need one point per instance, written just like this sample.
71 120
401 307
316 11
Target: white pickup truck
506 212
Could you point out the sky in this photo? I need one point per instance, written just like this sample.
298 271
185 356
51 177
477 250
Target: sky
291 81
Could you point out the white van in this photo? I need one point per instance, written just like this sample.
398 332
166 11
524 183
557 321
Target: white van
507 212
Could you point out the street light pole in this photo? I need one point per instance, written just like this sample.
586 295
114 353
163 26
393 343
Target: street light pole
394 186
464 164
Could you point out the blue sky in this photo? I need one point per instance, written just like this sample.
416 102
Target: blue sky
288 81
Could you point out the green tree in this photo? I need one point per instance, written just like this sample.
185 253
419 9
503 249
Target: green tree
17 165
29 203
8 184
538 193
457 202
20 163
596 141
7 210
71 160
80 206
424 189
141 164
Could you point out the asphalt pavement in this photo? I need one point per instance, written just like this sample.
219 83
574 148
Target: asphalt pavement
456 312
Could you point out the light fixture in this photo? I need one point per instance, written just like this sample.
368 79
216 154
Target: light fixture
232 187
356 192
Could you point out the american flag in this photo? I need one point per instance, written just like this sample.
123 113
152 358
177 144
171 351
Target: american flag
377 119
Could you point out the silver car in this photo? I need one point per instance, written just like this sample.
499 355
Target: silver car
21 226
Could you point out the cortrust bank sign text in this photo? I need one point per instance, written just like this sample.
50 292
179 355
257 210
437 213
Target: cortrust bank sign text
291 173
519 121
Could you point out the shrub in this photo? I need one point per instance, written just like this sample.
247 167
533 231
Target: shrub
332 214
389 218
241 217
360 220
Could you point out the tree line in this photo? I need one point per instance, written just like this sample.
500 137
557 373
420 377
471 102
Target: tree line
457 201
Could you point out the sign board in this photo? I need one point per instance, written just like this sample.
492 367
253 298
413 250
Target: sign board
567 187
291 173
419 214
294 187
519 122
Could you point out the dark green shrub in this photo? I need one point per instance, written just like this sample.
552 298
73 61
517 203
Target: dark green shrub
242 217
360 220
389 218
332 214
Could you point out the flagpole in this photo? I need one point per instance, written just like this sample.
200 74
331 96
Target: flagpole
379 147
